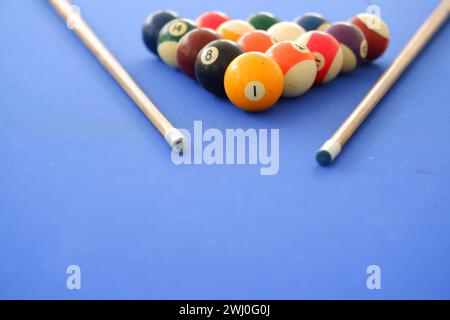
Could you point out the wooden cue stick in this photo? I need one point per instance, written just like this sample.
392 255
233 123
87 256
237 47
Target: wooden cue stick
172 135
332 148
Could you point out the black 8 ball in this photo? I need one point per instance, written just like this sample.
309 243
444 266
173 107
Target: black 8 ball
212 62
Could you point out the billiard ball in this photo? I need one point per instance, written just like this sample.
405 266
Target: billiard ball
256 41
376 32
262 20
353 44
298 66
254 82
212 19
169 37
312 22
328 54
189 47
153 25
234 29
212 62
285 31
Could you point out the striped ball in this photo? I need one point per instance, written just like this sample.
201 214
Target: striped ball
327 52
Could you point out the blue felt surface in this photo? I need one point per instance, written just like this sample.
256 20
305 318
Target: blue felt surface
86 180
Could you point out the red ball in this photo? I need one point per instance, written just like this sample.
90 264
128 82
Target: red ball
212 20
256 41
189 47
328 54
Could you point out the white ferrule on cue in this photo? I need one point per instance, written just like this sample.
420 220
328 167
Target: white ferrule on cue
72 16
332 148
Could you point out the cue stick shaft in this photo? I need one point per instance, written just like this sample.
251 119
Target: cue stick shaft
334 145
67 11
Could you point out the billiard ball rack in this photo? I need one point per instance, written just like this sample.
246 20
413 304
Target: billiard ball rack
333 146
337 48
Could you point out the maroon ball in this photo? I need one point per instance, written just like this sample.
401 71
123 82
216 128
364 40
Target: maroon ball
190 45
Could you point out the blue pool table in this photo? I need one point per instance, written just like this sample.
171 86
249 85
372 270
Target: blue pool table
86 180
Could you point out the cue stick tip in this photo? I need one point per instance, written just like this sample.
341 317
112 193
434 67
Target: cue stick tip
329 151
176 140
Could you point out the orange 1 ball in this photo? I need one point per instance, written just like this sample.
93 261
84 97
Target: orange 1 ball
254 82
256 41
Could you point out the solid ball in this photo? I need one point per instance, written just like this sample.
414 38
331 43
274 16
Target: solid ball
327 52
189 47
153 25
234 29
376 32
285 31
353 43
298 66
169 37
254 82
312 22
212 20
256 41
263 20
212 62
